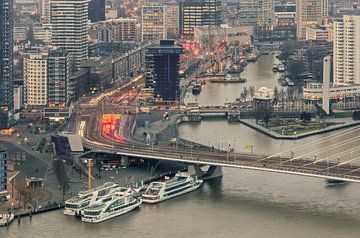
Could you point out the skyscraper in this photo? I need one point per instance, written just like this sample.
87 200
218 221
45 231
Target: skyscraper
58 74
35 79
309 12
347 50
69 27
60 89
3 171
162 66
6 63
172 15
195 13
153 23
96 10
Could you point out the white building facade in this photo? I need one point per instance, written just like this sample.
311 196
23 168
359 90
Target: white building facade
347 50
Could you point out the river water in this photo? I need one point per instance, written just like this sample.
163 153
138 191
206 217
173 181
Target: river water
241 204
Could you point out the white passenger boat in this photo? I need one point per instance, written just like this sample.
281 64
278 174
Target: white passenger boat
159 191
109 207
6 219
73 206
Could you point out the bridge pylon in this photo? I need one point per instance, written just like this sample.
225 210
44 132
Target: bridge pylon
212 172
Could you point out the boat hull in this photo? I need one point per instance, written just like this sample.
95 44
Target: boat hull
190 189
110 216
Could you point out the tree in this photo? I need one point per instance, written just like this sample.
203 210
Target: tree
296 68
252 93
305 116
356 116
276 95
246 92
61 175
282 95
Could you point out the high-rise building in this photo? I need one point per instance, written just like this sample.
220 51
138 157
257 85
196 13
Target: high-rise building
172 15
162 70
69 28
60 89
3 171
6 63
96 10
58 74
35 79
153 23
256 13
308 13
195 13
347 50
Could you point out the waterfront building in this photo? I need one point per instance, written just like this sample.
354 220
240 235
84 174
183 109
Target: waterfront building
314 92
3 171
309 12
195 13
60 91
35 79
162 70
153 23
115 30
96 10
6 63
69 27
347 50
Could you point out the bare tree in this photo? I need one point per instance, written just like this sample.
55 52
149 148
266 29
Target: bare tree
252 92
276 95
61 175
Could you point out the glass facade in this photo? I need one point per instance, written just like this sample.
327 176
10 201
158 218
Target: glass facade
195 13
6 62
162 70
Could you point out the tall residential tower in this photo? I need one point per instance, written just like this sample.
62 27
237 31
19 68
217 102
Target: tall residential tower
6 63
69 20
347 50
308 13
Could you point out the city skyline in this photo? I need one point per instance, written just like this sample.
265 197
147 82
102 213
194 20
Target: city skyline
236 118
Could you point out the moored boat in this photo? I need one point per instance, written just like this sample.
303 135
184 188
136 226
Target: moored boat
159 191
109 207
74 205
6 219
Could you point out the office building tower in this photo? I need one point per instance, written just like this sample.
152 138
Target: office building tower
35 79
162 70
195 13
172 15
308 13
69 28
58 74
153 23
96 10
6 63
258 13
3 171
347 50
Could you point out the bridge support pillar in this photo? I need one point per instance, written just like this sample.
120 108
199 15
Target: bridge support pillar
212 172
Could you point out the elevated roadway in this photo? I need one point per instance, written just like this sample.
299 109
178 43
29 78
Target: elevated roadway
116 143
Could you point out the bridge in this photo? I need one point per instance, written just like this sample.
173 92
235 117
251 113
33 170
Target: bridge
338 165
